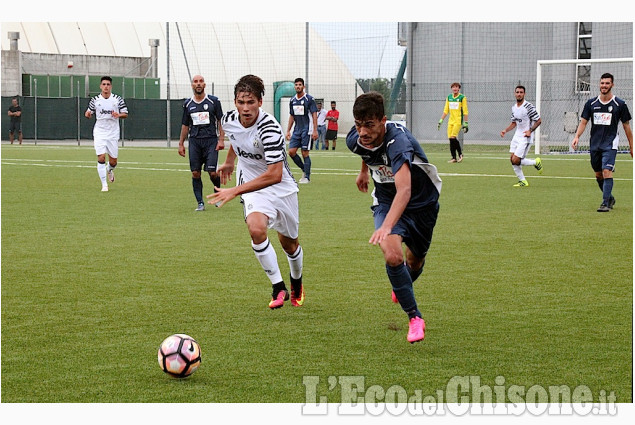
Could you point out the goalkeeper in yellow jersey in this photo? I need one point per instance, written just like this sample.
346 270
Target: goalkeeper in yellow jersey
456 107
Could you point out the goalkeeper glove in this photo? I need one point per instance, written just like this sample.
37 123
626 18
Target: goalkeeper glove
465 128
439 125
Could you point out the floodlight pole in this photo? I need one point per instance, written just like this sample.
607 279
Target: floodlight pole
306 58
167 54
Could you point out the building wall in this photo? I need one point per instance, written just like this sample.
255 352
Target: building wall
11 75
489 60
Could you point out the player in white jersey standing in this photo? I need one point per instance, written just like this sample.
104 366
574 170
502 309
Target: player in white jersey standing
264 182
107 108
526 120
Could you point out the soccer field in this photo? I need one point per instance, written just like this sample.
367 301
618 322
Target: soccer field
530 284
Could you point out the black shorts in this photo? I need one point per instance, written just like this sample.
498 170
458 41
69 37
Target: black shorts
15 126
414 226
331 135
203 151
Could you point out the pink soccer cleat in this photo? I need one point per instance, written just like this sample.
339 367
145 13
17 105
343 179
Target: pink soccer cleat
297 301
279 300
394 297
416 329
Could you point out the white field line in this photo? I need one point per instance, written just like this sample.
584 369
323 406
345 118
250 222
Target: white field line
185 168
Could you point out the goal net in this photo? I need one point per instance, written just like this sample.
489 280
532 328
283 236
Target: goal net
562 89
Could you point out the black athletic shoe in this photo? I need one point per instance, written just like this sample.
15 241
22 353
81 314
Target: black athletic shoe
604 208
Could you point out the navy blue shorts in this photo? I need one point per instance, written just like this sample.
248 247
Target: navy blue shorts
300 140
603 160
203 151
415 227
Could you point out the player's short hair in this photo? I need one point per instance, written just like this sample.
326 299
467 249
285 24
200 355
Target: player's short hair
521 87
250 84
299 80
333 102
455 84
607 75
369 106
105 77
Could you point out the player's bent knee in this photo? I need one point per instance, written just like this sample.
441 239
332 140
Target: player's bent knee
393 258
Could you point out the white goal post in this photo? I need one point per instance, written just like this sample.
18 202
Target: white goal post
561 93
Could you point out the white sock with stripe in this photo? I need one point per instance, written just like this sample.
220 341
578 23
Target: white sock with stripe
268 259
101 170
295 263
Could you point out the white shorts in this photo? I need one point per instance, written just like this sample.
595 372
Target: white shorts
283 213
109 146
520 145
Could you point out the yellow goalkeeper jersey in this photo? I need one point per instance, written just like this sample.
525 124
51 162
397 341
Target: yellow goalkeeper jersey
456 107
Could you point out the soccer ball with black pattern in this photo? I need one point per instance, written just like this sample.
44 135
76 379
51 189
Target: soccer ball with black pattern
179 355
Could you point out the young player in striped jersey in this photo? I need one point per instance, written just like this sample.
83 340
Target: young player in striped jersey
405 199
526 120
265 185
606 112
108 108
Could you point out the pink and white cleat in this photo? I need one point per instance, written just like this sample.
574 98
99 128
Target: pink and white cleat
416 329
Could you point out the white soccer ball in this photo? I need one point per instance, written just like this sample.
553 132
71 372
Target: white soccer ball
179 355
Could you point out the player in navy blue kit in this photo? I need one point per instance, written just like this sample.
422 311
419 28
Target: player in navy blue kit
201 119
302 109
405 198
606 111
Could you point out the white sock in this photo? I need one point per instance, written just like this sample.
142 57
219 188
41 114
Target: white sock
101 170
295 263
519 172
268 259
527 161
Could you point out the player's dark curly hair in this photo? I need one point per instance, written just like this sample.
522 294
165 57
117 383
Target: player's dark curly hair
250 84
368 106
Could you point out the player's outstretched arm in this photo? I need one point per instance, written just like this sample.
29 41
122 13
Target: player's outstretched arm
270 177
402 197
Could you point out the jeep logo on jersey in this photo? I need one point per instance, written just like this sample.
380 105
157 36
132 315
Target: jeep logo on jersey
106 112
248 154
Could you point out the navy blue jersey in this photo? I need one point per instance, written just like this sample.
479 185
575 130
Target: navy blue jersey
302 111
605 118
399 147
201 117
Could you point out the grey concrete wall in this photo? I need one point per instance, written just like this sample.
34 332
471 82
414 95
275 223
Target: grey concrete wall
45 63
10 73
490 59
16 63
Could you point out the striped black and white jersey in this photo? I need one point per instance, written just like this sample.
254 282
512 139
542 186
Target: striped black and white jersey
257 147
524 116
106 126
